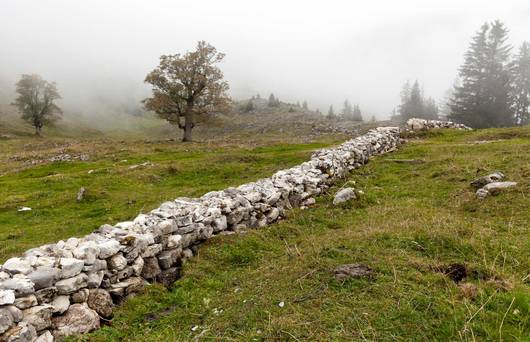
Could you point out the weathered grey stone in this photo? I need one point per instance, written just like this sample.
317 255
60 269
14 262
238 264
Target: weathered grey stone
174 241
17 266
137 266
6 320
45 296
344 195
39 316
7 297
108 248
273 215
20 284
16 313
482 193
129 286
86 251
45 336
97 266
496 187
343 272
80 296
26 301
169 257
481 181
70 285
117 262
71 267
95 279
151 268
152 250
220 224
60 304
125 273
100 301
22 332
43 277
78 319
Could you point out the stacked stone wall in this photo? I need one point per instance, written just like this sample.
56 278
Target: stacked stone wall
68 287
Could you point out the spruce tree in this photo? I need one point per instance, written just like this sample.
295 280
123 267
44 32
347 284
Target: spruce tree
483 99
331 113
521 85
430 109
347 110
304 105
272 101
357 115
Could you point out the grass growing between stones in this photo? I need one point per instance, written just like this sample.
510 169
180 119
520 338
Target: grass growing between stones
119 184
413 221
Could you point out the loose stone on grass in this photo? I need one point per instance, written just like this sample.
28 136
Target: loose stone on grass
355 271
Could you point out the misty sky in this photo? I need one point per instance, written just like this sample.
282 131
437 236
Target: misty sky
99 51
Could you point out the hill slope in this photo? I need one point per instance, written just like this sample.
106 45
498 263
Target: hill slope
415 222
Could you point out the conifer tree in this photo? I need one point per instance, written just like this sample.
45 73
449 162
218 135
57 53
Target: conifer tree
347 110
483 99
272 100
331 113
304 105
357 115
521 85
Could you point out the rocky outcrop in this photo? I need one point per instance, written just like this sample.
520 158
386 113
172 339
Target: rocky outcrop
64 288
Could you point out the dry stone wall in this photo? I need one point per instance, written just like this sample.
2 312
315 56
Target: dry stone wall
416 124
66 288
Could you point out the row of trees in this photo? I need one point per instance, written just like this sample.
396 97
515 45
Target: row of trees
348 112
415 105
494 87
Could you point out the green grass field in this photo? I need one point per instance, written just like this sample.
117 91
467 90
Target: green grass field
414 220
118 186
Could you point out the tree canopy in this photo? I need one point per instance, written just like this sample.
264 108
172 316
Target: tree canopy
188 87
484 97
36 101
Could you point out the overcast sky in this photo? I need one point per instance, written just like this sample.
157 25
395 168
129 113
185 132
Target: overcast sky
322 51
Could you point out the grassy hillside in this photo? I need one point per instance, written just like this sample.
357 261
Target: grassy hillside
122 178
414 221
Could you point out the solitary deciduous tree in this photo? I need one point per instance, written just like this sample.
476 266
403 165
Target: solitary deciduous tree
187 87
36 101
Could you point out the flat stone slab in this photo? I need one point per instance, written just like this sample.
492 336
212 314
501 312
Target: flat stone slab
356 271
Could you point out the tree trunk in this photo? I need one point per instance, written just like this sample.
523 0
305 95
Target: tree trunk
188 126
38 130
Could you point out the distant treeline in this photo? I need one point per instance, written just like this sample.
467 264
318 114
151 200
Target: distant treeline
492 89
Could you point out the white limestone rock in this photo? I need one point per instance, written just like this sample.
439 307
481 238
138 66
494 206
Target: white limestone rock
26 302
60 304
7 297
71 267
21 284
70 285
39 316
78 319
117 262
108 248
17 266
344 195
